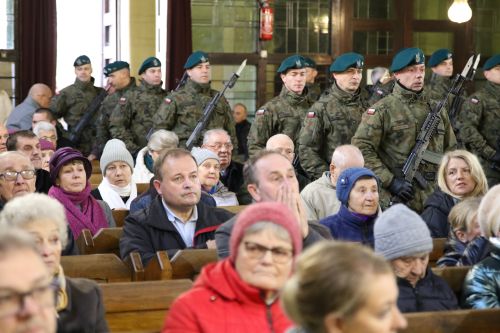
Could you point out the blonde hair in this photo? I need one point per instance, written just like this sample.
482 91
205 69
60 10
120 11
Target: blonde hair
476 171
488 214
330 277
463 213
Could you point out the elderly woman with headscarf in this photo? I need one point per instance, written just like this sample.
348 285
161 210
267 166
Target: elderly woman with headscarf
117 188
79 302
241 293
357 190
70 172
460 176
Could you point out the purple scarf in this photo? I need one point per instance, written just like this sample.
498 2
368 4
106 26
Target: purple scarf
91 216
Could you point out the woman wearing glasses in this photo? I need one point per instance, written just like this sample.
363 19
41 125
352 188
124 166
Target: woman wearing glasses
79 301
70 172
241 293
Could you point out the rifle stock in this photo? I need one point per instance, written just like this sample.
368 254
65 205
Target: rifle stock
209 108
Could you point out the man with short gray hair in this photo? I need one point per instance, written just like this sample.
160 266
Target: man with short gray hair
320 196
28 296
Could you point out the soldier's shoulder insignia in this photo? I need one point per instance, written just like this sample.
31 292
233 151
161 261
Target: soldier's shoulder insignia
167 100
311 114
379 92
474 100
260 112
122 101
371 111
58 92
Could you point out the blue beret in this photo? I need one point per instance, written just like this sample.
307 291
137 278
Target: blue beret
309 62
407 57
148 63
347 179
439 56
81 60
292 62
115 66
346 61
195 58
492 62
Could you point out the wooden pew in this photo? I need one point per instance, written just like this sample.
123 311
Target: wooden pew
99 267
95 179
140 306
96 167
106 240
454 276
234 209
459 321
437 250
119 216
185 264
142 187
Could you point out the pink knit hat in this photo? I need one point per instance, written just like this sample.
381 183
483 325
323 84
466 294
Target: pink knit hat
274 212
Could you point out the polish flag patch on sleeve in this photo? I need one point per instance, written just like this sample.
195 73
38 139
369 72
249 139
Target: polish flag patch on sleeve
311 114
260 112
167 100
122 101
370 111
474 100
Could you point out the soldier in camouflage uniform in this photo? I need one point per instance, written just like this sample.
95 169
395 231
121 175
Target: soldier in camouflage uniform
383 84
285 112
332 121
131 121
479 121
389 129
441 64
72 102
313 87
181 109
124 86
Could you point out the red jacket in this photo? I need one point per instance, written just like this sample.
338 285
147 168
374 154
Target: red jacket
221 302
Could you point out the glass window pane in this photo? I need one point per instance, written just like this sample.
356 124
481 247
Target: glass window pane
430 9
374 9
372 42
8 79
221 26
431 41
487 26
6 24
245 89
300 27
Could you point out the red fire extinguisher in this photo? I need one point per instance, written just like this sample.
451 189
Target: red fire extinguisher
266 21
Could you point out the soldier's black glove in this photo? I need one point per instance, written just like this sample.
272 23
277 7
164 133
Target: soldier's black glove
496 157
402 189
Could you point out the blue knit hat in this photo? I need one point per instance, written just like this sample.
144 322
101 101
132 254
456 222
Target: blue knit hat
407 57
195 58
492 62
346 61
347 179
439 56
149 63
293 62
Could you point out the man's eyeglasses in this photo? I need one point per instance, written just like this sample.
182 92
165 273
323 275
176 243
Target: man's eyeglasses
12 175
280 255
12 302
217 146
49 138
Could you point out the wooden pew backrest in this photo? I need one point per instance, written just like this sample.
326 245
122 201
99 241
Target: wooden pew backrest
454 276
234 209
142 187
106 240
119 216
437 250
186 264
99 267
459 321
140 306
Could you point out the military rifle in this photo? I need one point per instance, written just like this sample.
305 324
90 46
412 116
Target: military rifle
182 81
76 131
419 151
209 108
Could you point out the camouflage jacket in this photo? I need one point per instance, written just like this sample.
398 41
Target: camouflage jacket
313 91
181 110
379 91
282 114
107 107
331 122
71 103
388 132
479 123
132 117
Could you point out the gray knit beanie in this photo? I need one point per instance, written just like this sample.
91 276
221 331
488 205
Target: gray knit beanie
115 150
401 232
202 154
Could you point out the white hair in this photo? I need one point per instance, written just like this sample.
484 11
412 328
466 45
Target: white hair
162 139
44 126
208 134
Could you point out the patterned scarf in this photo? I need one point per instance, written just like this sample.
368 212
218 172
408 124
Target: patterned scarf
82 210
